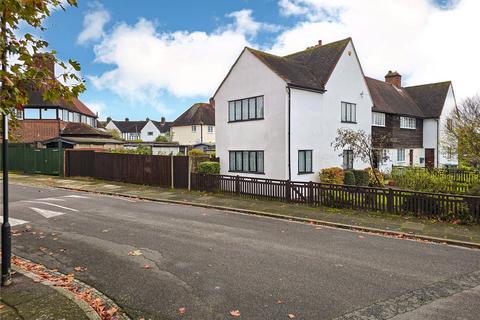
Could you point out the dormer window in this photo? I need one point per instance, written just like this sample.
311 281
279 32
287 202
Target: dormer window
408 123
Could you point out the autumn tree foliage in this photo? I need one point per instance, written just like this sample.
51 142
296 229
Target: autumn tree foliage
20 53
462 132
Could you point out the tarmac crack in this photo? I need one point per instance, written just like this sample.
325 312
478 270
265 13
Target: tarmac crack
414 299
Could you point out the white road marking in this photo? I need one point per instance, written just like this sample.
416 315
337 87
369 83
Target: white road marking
47 213
14 222
50 199
76 196
50 204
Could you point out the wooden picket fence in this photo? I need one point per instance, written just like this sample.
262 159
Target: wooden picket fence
434 205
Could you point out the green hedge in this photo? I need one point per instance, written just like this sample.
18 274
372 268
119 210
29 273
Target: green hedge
361 177
349 178
209 167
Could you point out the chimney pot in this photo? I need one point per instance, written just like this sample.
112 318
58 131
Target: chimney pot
394 78
147 119
126 119
109 119
162 120
319 42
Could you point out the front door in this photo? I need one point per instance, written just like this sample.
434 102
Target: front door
430 158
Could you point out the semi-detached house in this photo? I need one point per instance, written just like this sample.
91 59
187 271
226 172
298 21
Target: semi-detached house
276 116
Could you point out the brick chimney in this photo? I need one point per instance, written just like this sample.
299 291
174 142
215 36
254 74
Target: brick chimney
109 119
394 78
45 61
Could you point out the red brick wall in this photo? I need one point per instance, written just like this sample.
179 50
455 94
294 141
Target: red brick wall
37 130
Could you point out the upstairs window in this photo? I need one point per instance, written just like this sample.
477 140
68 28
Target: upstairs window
378 119
49 114
31 113
194 128
305 161
210 129
150 133
349 112
408 123
245 109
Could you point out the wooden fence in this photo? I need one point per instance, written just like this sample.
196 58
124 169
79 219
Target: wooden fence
131 168
445 206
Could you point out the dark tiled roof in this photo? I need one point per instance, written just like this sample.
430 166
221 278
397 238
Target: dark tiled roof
309 68
82 129
390 99
163 127
130 126
199 113
430 97
35 99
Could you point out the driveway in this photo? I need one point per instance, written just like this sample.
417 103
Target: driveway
154 258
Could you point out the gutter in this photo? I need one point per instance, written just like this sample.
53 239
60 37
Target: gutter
296 86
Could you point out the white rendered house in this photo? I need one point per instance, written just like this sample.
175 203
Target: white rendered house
195 126
276 117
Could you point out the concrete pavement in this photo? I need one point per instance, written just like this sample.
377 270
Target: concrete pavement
164 261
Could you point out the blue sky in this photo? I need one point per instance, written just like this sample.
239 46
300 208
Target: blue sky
151 58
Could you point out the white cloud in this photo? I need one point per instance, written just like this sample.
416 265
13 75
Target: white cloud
98 107
147 63
93 24
422 41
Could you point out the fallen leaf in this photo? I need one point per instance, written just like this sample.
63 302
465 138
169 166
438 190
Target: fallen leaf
28 228
182 310
135 253
79 269
37 280
106 230
111 311
146 266
235 313
279 301
361 237
55 239
63 250
1 306
291 316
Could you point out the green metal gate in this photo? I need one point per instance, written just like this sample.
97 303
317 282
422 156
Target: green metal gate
27 158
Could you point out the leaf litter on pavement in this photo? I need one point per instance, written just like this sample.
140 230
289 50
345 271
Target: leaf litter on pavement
67 282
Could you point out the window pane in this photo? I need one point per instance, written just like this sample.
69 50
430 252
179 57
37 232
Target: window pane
251 108
238 110
260 162
238 161
231 111
354 112
259 107
49 114
31 113
301 161
245 161
244 109
308 161
253 162
232 161
344 112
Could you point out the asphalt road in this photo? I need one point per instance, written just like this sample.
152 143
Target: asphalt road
212 262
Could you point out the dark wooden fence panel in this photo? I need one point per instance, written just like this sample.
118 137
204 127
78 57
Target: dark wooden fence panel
436 205
130 168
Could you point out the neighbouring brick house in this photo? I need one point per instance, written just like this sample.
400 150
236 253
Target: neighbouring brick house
41 120
408 122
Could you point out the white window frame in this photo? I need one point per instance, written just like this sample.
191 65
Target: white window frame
210 129
401 155
194 128
378 119
408 123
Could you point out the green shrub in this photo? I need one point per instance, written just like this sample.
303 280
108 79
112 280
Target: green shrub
361 177
475 190
196 152
333 175
208 167
349 178
372 181
419 179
